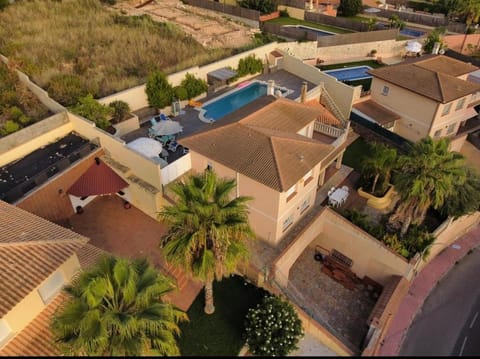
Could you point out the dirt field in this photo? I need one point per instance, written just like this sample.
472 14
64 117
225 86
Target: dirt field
209 28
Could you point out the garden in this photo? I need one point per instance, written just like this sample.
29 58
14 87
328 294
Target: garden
432 184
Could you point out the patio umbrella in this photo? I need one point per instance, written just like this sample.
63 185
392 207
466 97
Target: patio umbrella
413 46
167 127
146 146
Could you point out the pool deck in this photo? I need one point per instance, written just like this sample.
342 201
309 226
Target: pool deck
190 120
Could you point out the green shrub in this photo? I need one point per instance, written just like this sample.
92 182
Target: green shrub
9 127
4 4
94 111
284 13
249 65
180 93
158 89
264 6
109 2
273 328
194 86
66 89
349 7
121 110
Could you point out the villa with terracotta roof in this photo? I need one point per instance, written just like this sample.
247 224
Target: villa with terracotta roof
428 97
38 258
274 157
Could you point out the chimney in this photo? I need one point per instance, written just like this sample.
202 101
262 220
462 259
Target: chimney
303 93
270 87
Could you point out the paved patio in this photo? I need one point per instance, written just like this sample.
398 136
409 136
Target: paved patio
130 233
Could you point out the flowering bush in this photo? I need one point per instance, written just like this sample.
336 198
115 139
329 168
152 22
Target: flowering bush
273 328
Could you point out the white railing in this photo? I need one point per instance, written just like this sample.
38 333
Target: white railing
327 129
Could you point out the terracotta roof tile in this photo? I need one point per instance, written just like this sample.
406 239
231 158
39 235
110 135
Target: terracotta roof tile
430 78
36 338
264 145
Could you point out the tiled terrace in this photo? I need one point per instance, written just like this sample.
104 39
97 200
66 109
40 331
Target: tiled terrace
130 233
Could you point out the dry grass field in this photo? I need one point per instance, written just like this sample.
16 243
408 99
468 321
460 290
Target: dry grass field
103 49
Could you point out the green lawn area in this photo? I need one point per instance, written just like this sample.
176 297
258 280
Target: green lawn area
219 334
355 153
292 21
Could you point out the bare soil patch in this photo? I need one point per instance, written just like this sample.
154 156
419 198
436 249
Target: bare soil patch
209 28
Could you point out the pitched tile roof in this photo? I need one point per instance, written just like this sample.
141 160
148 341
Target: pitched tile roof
431 78
264 145
98 179
36 338
31 248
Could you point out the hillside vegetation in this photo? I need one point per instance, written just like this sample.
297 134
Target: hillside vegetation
75 47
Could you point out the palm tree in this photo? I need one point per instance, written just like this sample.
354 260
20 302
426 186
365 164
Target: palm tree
116 308
208 231
379 163
426 176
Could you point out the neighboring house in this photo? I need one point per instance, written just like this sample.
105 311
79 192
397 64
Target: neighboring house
37 258
267 147
428 97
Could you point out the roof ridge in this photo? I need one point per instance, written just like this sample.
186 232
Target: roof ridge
45 241
440 82
275 162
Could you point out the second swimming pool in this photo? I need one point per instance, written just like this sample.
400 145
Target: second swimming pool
350 73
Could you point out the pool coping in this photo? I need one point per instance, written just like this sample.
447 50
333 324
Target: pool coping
202 111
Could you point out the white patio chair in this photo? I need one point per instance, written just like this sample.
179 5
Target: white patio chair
345 188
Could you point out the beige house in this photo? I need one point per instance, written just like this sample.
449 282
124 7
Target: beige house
37 258
428 97
274 157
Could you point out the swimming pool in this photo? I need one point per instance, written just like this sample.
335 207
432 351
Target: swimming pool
350 73
411 32
312 29
233 100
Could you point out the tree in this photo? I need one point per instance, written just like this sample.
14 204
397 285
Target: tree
428 175
94 111
158 89
207 230
436 35
273 328
371 23
350 7
121 110
466 198
396 22
264 6
379 164
193 85
116 309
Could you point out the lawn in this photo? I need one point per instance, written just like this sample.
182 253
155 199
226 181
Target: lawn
284 20
219 334
355 153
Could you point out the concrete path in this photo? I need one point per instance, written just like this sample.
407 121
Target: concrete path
421 287
309 346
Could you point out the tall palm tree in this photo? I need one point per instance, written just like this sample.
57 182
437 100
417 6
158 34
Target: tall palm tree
116 309
426 176
208 230
380 163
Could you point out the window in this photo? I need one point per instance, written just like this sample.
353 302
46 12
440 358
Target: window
287 223
51 286
305 205
291 192
5 331
308 177
385 90
451 128
446 109
460 104
437 133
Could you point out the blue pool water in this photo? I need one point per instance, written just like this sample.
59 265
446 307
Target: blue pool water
411 32
350 73
312 29
233 101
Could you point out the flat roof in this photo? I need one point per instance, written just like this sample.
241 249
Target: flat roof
222 74
21 176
